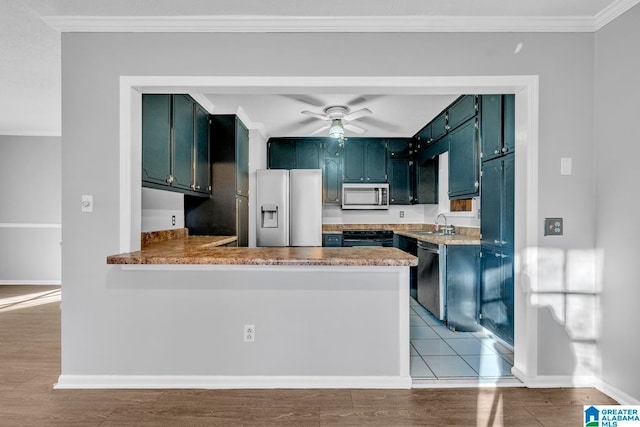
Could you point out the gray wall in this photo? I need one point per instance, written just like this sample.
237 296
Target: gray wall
92 64
30 214
618 229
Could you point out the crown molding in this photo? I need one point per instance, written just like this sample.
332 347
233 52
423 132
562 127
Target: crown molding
322 24
612 11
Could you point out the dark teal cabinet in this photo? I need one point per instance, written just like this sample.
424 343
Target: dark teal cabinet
281 153
423 137
175 144
461 110
462 286
332 240
439 126
497 125
294 153
496 292
202 166
464 161
497 243
156 139
183 141
226 212
365 160
399 170
332 151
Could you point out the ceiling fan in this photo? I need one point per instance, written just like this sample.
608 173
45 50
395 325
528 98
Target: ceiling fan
339 118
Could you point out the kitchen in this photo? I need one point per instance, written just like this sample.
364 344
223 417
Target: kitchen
413 229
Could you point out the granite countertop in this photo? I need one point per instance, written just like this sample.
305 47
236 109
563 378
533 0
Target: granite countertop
207 250
463 236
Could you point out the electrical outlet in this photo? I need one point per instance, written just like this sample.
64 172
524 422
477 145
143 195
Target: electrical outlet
173 220
87 203
249 333
553 227
401 214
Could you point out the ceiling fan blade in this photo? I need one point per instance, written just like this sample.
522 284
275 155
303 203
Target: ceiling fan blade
357 114
323 128
316 115
354 128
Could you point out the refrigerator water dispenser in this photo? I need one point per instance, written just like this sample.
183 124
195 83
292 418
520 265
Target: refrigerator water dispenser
269 216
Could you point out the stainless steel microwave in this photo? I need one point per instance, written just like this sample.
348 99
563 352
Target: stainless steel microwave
365 196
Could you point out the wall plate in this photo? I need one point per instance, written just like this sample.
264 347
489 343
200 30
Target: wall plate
553 227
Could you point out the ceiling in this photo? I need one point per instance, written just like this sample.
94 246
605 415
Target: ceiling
30 76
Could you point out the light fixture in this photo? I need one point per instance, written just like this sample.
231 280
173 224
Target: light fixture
336 130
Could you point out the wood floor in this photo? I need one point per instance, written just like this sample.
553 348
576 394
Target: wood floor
30 365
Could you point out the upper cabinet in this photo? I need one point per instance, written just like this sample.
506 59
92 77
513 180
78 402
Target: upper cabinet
175 144
400 170
497 125
230 152
365 160
464 164
461 110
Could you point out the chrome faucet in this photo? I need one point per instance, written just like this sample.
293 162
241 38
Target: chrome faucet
437 226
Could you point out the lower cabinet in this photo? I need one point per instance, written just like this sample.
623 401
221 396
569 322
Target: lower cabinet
462 280
332 240
409 244
496 292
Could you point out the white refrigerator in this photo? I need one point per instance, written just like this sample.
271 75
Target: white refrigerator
289 207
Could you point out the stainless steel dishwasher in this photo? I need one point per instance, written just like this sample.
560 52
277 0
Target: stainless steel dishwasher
431 292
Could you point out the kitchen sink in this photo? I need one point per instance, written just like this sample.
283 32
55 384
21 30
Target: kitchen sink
432 233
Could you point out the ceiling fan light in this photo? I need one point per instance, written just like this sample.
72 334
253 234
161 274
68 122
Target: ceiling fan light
336 130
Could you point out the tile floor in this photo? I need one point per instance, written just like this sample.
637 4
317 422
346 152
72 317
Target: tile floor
440 353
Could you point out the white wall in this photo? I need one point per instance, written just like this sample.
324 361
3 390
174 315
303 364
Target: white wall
30 213
616 158
413 214
92 64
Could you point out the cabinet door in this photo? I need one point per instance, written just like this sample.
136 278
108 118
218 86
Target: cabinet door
463 109
308 153
242 221
423 137
508 119
399 148
332 181
426 191
156 138
463 161
399 181
496 292
508 192
242 159
282 153
375 161
491 203
462 286
203 171
354 161
491 126
183 155
439 126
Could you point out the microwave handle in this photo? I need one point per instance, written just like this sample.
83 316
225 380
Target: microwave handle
379 196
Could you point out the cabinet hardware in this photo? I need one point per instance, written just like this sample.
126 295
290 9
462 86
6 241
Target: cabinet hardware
503 256
497 242
496 152
476 184
197 187
505 149
497 255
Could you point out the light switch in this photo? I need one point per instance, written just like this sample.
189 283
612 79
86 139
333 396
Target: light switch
565 166
87 203
553 227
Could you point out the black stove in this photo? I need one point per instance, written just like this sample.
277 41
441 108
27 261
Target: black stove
382 238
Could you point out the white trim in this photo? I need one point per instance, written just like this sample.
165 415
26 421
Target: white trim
228 382
612 11
467 383
526 89
30 282
30 133
554 381
250 124
321 24
27 225
616 394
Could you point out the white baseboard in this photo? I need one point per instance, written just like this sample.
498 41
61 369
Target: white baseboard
227 382
616 394
554 381
30 282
